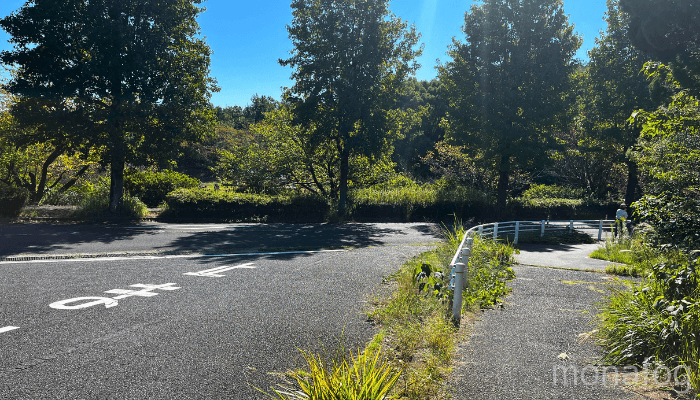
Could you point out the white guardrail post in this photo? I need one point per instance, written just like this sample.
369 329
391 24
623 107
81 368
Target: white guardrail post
517 231
542 229
600 230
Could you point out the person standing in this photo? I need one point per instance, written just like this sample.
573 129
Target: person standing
620 220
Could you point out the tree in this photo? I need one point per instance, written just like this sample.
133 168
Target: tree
39 166
507 83
350 60
614 86
128 77
670 32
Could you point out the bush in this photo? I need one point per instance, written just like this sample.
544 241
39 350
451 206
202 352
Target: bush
12 199
96 204
529 208
553 192
204 203
414 202
657 321
152 187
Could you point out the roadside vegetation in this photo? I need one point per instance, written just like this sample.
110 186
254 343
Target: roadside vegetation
416 339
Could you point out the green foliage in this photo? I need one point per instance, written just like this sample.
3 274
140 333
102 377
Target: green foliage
452 163
637 253
350 61
553 192
205 203
128 78
507 83
153 186
489 270
556 209
405 201
669 32
657 320
95 204
365 376
12 199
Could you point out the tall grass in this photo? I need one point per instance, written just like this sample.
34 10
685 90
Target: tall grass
656 321
365 376
638 256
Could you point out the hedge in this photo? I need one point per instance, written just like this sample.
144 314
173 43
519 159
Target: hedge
205 203
152 187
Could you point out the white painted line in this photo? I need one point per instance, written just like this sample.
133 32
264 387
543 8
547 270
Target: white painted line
8 328
65 304
165 257
214 272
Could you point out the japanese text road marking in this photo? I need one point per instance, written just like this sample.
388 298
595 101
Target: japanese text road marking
145 292
85 302
215 272
8 328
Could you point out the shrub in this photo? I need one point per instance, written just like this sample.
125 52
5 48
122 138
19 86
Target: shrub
413 202
12 199
152 187
96 203
367 376
656 321
204 203
553 192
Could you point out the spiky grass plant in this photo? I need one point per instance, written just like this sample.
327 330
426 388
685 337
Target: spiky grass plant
365 376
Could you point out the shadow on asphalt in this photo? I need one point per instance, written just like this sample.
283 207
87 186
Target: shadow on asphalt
245 238
546 248
280 238
38 239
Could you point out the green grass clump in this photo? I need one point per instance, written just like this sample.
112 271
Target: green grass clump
656 321
365 376
637 256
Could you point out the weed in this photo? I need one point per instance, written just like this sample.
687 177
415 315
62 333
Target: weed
365 376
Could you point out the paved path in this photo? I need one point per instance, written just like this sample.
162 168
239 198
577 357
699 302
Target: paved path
532 348
185 327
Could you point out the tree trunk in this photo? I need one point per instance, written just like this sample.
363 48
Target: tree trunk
344 172
116 184
39 190
632 182
502 195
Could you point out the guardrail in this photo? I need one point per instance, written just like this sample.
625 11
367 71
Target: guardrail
460 261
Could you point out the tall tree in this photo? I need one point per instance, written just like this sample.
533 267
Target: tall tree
128 76
669 31
507 82
614 86
350 60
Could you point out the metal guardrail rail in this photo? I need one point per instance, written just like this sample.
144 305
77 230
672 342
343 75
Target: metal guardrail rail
460 261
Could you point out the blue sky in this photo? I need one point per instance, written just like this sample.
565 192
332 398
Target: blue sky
248 37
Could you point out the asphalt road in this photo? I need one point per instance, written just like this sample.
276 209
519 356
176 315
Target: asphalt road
165 325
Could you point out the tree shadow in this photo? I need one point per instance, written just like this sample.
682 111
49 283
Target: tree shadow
288 241
280 239
56 238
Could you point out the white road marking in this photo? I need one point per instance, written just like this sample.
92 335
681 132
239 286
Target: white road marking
146 290
8 328
164 257
64 304
214 272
